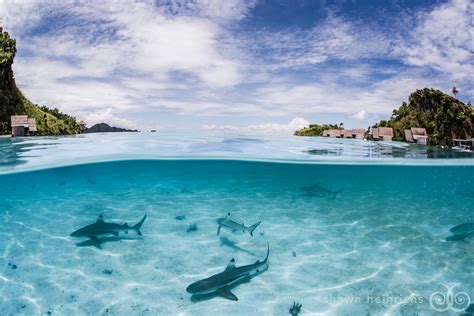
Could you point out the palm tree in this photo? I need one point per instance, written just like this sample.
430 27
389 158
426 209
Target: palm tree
455 91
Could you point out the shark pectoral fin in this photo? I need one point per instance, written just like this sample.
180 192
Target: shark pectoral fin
246 279
226 293
96 241
219 229
231 265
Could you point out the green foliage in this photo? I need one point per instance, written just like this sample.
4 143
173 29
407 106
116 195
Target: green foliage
317 130
49 124
12 101
443 116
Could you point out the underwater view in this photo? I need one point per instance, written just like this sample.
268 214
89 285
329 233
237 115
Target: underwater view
237 157
234 226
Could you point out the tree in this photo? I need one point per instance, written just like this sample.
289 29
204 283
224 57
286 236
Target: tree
455 91
443 116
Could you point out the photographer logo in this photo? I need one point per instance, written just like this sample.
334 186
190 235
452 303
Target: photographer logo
453 300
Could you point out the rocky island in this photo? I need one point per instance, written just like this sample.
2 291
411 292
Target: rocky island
444 117
106 128
13 102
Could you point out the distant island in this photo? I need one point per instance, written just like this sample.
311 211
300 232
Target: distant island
444 117
13 102
105 128
317 130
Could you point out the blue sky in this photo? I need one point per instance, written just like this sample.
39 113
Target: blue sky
244 66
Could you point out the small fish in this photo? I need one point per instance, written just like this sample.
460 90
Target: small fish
232 276
180 217
319 192
191 228
295 310
101 228
228 223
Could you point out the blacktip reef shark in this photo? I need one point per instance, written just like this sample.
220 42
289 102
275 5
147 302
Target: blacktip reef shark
463 228
101 228
462 232
320 192
227 222
232 276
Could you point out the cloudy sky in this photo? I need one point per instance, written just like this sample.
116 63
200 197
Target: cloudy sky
243 65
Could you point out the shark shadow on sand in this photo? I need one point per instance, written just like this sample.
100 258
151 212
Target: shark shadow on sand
92 243
231 244
317 191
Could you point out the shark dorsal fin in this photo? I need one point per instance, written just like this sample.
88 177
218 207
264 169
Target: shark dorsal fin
227 216
100 219
231 265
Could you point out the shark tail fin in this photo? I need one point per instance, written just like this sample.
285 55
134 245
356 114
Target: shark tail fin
138 225
253 227
268 251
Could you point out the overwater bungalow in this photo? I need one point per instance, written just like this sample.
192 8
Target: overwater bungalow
382 133
332 133
357 133
464 144
22 125
416 135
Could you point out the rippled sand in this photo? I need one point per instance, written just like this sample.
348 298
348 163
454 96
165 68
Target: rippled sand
378 248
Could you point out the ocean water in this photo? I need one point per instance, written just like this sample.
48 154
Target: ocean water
354 228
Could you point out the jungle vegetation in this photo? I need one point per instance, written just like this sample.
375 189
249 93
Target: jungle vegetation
13 102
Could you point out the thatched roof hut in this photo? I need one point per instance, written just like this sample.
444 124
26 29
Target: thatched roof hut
416 135
22 125
332 133
382 133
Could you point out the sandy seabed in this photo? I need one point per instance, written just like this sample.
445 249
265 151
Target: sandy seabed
377 248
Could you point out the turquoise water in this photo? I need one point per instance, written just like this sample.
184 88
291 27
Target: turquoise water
353 229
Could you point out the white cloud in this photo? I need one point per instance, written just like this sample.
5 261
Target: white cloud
222 9
121 55
295 124
110 59
333 38
443 40
108 117
379 98
361 115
